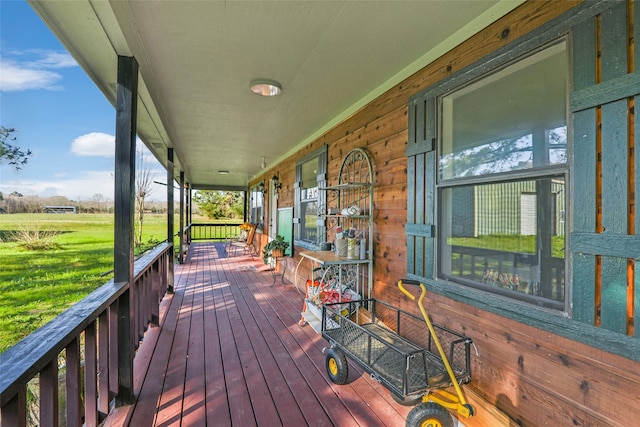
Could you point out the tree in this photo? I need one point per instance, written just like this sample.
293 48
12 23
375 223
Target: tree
97 199
144 180
13 154
220 204
14 202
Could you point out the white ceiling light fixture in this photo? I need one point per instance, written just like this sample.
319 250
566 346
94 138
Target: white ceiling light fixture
223 172
265 87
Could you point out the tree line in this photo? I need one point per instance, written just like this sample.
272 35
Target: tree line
213 204
16 202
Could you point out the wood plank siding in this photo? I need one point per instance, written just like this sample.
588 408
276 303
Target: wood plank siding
535 368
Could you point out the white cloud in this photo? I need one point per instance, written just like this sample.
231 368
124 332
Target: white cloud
94 144
31 69
14 77
51 59
82 186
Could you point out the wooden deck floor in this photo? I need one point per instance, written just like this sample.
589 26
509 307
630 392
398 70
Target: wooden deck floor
229 352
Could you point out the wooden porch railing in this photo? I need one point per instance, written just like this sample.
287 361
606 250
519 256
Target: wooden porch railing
88 334
217 232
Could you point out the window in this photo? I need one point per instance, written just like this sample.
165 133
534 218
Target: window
256 207
501 170
309 229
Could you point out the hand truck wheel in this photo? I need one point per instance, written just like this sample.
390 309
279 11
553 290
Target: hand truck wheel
429 414
337 367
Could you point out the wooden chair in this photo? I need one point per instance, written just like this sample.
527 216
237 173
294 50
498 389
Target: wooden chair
247 245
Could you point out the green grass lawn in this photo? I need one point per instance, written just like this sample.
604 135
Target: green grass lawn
37 285
510 243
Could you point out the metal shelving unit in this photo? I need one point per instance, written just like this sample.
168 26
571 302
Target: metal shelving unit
349 206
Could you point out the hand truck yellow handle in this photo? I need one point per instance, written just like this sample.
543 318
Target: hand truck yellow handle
460 403
409 282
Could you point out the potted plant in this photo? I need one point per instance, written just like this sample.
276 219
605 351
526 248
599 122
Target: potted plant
274 248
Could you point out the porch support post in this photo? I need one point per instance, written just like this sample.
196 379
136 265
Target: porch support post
125 171
244 203
170 217
182 233
187 212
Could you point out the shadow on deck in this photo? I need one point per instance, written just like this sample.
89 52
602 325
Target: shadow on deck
229 352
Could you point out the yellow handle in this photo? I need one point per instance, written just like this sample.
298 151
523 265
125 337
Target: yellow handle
423 292
404 291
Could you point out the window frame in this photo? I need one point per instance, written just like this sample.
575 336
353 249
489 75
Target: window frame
512 176
426 107
256 210
321 177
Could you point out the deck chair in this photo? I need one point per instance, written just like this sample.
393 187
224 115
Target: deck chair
247 245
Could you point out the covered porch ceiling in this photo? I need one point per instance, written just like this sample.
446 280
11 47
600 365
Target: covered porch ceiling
197 59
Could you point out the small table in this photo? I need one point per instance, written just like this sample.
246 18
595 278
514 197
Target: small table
273 262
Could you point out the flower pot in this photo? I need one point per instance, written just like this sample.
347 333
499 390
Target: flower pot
277 253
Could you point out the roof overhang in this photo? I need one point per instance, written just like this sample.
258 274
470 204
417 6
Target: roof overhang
197 58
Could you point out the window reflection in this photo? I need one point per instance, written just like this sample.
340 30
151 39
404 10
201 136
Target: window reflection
508 237
512 120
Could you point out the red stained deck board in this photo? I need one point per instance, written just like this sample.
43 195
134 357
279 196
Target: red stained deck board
193 407
170 404
236 386
377 399
280 394
261 401
216 395
295 369
229 352
295 342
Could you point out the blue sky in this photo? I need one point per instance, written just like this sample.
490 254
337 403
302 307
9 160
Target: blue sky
59 114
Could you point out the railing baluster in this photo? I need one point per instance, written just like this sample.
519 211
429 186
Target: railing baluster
14 412
103 363
155 290
113 350
90 376
49 394
74 409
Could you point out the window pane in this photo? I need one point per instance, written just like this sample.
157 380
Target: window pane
308 201
507 238
309 229
256 207
511 120
310 174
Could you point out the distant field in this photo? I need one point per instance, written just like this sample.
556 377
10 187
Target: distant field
36 286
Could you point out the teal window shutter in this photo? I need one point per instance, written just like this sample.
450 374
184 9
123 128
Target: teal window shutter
420 226
601 243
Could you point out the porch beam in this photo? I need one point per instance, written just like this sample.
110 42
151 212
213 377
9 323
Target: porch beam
125 168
